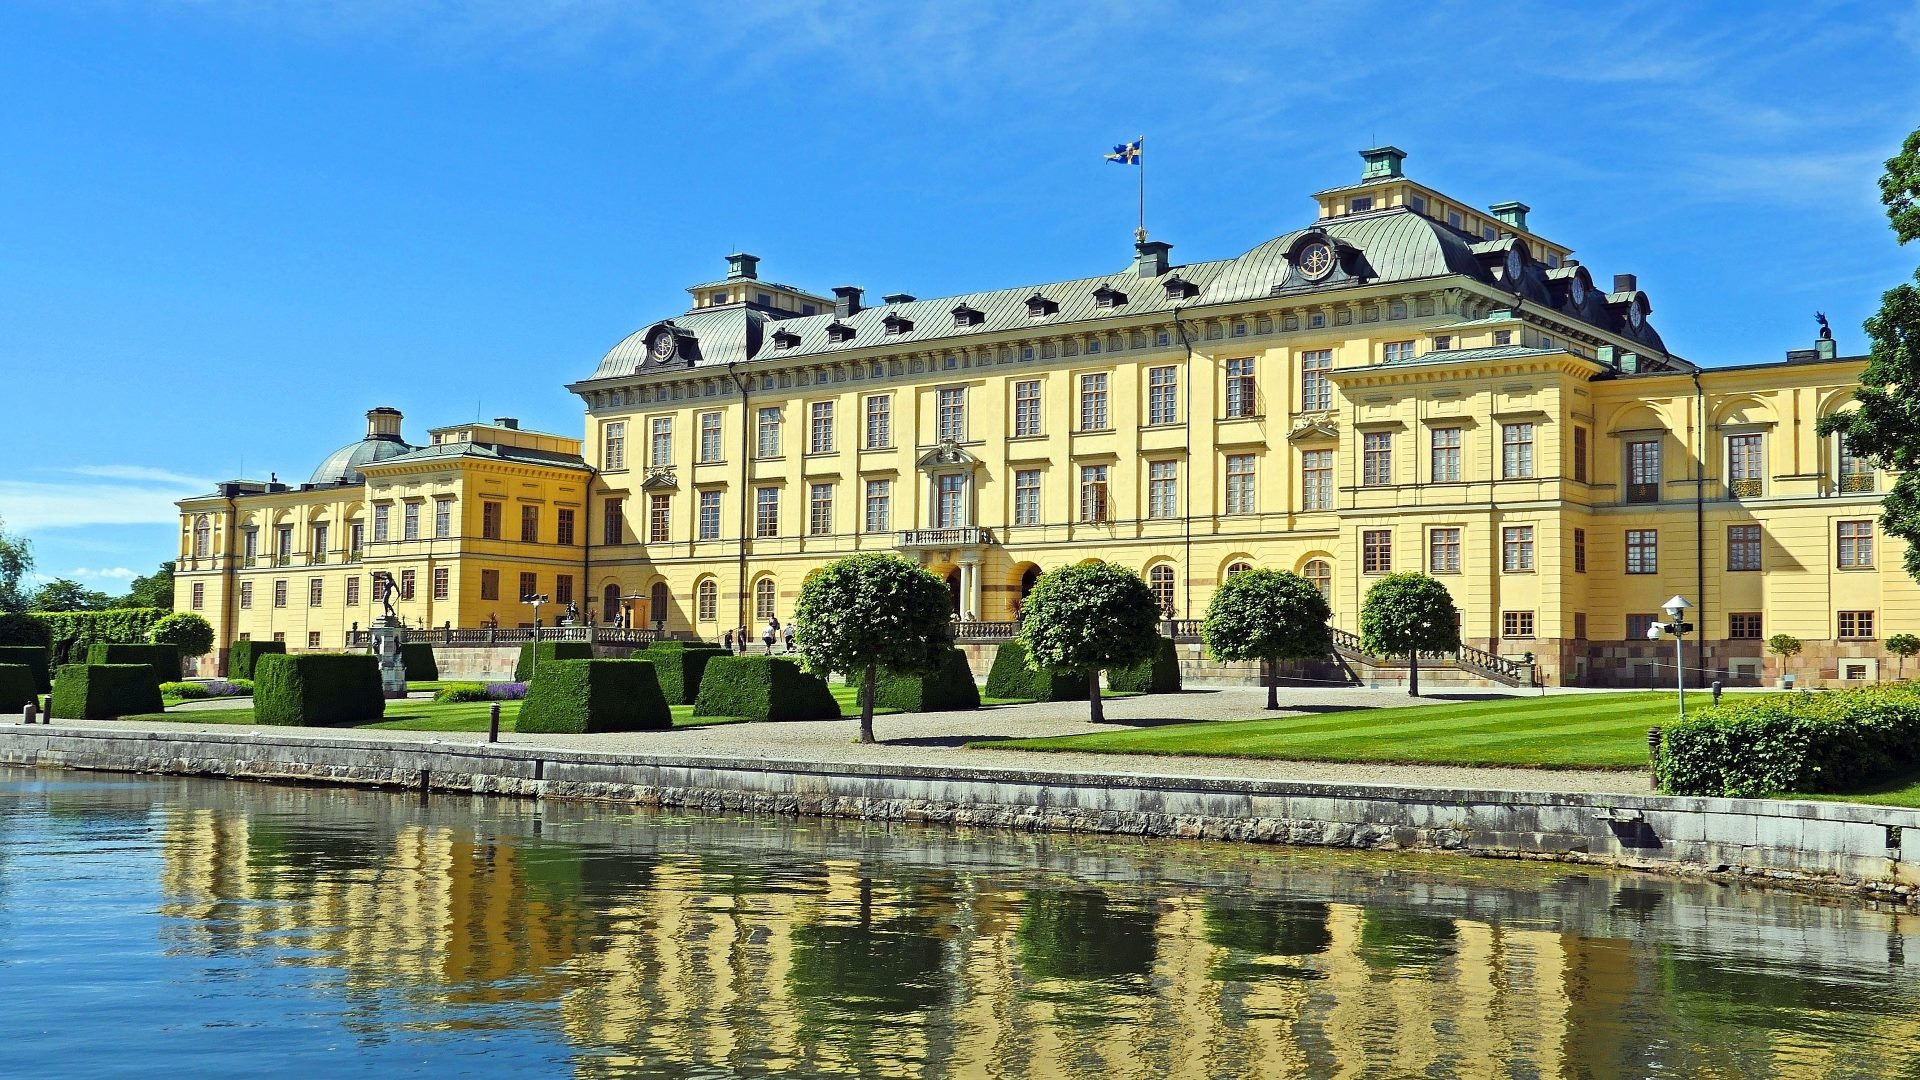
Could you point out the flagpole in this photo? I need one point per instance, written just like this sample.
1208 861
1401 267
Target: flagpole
1140 234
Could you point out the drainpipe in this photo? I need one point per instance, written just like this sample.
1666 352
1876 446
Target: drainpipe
1186 495
586 533
746 505
1699 519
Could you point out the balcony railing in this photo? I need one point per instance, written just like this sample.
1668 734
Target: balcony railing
1643 493
1744 489
964 536
1856 483
515 635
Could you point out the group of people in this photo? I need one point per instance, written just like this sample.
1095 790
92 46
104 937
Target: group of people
773 634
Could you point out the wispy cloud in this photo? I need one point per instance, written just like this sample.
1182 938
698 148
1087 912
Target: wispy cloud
96 495
102 573
141 472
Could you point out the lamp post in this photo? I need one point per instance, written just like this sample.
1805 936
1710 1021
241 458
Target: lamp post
1676 626
534 600
1413 661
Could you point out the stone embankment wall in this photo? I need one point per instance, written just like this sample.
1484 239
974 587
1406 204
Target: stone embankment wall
1871 851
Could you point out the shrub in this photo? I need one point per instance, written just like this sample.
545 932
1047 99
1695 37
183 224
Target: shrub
949 688
104 691
163 659
243 655
230 687
763 688
679 666
191 634
506 691
1011 678
1160 675
22 629
576 697
1802 743
549 650
17 687
71 633
184 691
316 689
419 661
462 691
36 658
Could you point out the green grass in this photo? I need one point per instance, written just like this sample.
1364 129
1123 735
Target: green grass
416 716
1604 731
1904 791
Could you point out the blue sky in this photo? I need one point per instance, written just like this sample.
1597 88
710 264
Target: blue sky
228 227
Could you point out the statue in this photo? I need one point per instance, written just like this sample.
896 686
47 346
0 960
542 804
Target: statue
1825 330
384 587
573 613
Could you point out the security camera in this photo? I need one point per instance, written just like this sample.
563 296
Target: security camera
1653 632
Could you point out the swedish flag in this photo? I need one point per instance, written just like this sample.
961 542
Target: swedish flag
1126 153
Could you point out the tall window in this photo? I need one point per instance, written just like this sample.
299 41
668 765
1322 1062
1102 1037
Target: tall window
442 582
280 593
1093 401
767 433
1643 470
1376 551
710 444
563 589
356 540
709 516
489 520
250 546
1316 480
1516 451
1516 549
820 428
1396 352
1856 624
1240 387
1743 547
1026 408
1643 551
283 544
1316 387
489 584
766 511
1743 466
529 524
879 505
1320 573
246 592
1376 458
202 538
1160 579
316 591
1163 489
819 509
381 514
529 584
879 421
563 526
1579 454
353 591
442 518
1240 484
1443 551
1579 551
1856 472
950 414
706 600
763 599
1446 455
660 450
950 501
1093 493
1744 626
1856 544
406 584
1026 497
612 532
410 521
1163 398
613 446
317 552
659 517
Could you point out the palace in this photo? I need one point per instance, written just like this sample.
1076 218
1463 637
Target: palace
1405 383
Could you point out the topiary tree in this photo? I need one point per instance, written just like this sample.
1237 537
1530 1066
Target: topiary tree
1407 614
1269 616
865 612
1784 646
1903 646
1086 618
188 633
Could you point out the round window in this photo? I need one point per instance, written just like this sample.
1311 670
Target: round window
1315 260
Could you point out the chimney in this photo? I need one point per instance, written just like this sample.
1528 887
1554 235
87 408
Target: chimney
899 298
508 422
1383 163
1511 214
742 265
1625 283
846 300
383 422
1150 258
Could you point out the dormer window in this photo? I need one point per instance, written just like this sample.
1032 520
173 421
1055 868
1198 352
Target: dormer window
967 316
838 332
1107 296
896 325
1178 288
1039 307
785 339
719 298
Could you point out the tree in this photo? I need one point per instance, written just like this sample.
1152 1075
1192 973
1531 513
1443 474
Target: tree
1903 646
155 590
16 561
1086 618
1269 616
1784 646
1886 426
1407 614
185 631
862 613
63 594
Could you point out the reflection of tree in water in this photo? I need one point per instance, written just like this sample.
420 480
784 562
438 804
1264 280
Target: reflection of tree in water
1259 929
320 847
1391 939
892 964
1086 935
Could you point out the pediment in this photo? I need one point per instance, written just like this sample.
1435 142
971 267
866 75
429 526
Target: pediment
947 456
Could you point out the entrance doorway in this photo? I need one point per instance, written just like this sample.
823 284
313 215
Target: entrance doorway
953 590
657 605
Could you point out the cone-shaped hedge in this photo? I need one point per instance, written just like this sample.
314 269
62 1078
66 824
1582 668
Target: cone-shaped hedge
549 650
577 697
1009 678
37 659
163 659
317 689
679 666
243 656
104 691
763 688
1160 675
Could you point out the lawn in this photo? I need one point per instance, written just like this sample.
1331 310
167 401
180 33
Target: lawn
1604 731
1902 792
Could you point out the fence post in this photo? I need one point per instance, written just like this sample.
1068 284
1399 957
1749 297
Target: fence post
493 722
1653 755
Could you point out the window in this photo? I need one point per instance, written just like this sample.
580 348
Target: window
356 541
410 522
1743 547
353 591
1240 387
1316 389
199 594
1516 624
1516 549
1643 470
280 593
1163 489
529 585
1443 551
1503 337
879 505
380 516
1396 352
563 527
406 584
317 548
1743 466
613 446
1442 342
819 509
766 511
879 421
950 501
529 524
660 442
1744 626
1320 573
767 433
442 518
313 639
710 444
441 582
1376 551
489 520
1580 625
1026 497
1316 480
1638 626
250 546
1856 624
763 596
279 635
612 531
1446 455
1359 204
1580 454
1093 493
563 589
1160 579
709 523
1579 551
1643 551
706 600
1240 567
1856 472
1376 458
820 428
316 592
1240 484
283 544
489 584
1516 451
1163 392
1856 544
659 517
1093 402
1026 408
950 414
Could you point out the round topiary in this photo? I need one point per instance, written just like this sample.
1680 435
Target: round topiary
185 631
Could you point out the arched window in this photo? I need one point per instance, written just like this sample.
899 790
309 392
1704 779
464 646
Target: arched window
1320 572
202 537
706 600
763 596
1239 567
1160 580
610 604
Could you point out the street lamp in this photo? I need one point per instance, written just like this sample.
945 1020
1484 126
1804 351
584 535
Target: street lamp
534 600
1678 628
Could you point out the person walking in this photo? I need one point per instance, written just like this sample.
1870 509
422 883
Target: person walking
726 641
789 637
772 633
740 639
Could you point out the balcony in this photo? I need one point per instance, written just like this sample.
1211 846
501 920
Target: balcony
1745 488
1859 483
962 537
1643 493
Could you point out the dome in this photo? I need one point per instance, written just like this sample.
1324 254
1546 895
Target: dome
382 442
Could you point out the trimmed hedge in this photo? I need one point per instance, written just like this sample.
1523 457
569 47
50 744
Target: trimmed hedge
242 656
1010 678
680 665
461 691
104 691
764 688
163 659
72 633
18 686
35 657
577 697
317 689
23 629
549 650
1801 743
419 661
949 689
1161 675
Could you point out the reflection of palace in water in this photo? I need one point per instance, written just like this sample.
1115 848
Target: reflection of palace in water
809 947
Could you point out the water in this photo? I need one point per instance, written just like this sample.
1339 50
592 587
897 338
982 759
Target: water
203 929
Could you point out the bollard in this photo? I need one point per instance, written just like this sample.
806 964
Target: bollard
1716 691
30 714
493 723
1653 755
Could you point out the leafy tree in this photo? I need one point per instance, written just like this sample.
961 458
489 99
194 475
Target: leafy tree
1903 646
1267 615
1086 618
63 594
1886 426
16 561
154 590
1784 646
866 612
184 630
1405 615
